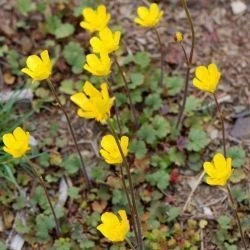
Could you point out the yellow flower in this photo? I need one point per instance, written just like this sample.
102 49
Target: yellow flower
110 151
218 171
93 104
178 37
16 144
106 42
207 78
38 68
95 20
98 66
149 17
114 227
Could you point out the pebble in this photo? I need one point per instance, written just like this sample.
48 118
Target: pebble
238 7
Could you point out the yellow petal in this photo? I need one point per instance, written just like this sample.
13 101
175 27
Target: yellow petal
142 12
28 72
124 145
104 91
209 168
9 140
33 62
202 74
91 91
88 14
45 57
78 99
21 135
95 43
109 218
219 162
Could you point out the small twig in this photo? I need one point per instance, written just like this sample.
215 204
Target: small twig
162 57
192 192
236 216
83 167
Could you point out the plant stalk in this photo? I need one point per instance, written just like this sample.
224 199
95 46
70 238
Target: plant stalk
236 216
189 64
83 167
222 125
131 186
130 244
129 202
42 183
162 56
132 107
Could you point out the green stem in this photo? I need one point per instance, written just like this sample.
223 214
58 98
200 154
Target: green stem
131 186
222 125
189 63
132 107
130 244
236 216
129 202
162 56
83 167
115 106
42 183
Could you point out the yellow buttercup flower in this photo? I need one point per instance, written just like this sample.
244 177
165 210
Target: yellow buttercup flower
94 104
178 37
110 151
38 68
149 17
218 171
16 143
98 66
95 20
113 227
106 42
207 78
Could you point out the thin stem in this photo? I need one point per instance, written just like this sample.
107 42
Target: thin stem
130 244
185 54
189 63
222 125
236 215
116 108
42 183
132 107
129 202
162 55
83 167
131 186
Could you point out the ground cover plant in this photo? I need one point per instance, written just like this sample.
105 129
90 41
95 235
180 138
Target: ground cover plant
115 146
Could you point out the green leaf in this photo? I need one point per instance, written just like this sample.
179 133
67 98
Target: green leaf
161 126
24 6
159 178
62 244
21 226
67 87
160 161
142 59
73 192
13 59
74 56
192 104
119 197
147 133
2 246
174 84
139 148
154 101
238 155
176 157
52 24
197 140
136 80
71 164
43 225
225 222
173 213
64 30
